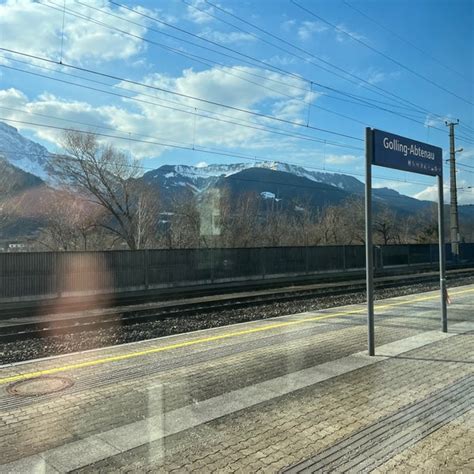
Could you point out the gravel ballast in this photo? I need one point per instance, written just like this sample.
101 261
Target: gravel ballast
90 339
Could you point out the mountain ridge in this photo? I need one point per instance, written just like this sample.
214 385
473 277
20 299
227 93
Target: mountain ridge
267 179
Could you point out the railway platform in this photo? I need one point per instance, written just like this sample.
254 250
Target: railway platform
296 393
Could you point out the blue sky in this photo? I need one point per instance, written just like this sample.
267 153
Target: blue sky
264 75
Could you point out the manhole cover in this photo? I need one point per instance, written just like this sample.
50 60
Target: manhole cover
39 386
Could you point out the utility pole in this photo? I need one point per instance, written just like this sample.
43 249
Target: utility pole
453 211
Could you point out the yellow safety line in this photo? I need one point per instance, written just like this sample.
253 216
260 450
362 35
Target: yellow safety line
178 345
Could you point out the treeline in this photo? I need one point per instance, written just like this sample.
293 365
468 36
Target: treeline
247 222
100 203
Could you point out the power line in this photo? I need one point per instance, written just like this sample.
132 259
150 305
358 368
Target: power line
414 106
268 65
193 112
179 94
366 83
61 119
206 61
365 99
200 59
381 53
361 100
233 122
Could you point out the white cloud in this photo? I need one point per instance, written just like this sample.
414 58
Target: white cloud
42 33
342 34
287 25
342 159
227 37
197 12
465 190
282 60
400 186
12 98
144 120
307 29
202 164
304 29
466 195
430 193
466 155
437 121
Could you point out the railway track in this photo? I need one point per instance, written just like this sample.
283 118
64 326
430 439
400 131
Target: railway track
22 328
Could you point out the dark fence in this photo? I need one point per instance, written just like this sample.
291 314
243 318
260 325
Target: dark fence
52 274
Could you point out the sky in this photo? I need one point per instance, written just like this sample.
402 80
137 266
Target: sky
198 82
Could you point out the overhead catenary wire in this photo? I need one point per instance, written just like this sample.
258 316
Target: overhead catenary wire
179 94
99 126
103 127
194 113
200 59
206 61
358 80
366 101
194 58
234 121
259 61
313 105
358 100
206 117
381 53
365 84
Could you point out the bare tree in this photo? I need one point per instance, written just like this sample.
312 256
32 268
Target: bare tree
240 220
426 230
108 178
386 225
10 199
183 223
70 223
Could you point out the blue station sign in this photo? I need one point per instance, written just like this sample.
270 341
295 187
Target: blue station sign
401 153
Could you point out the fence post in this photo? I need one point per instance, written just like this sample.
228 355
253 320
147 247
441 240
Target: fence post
262 261
344 263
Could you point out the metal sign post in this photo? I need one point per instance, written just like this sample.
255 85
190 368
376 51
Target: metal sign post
393 151
369 248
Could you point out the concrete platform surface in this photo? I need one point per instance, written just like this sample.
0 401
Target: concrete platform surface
295 393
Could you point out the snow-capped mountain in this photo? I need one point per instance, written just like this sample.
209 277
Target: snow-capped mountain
200 178
23 153
271 180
